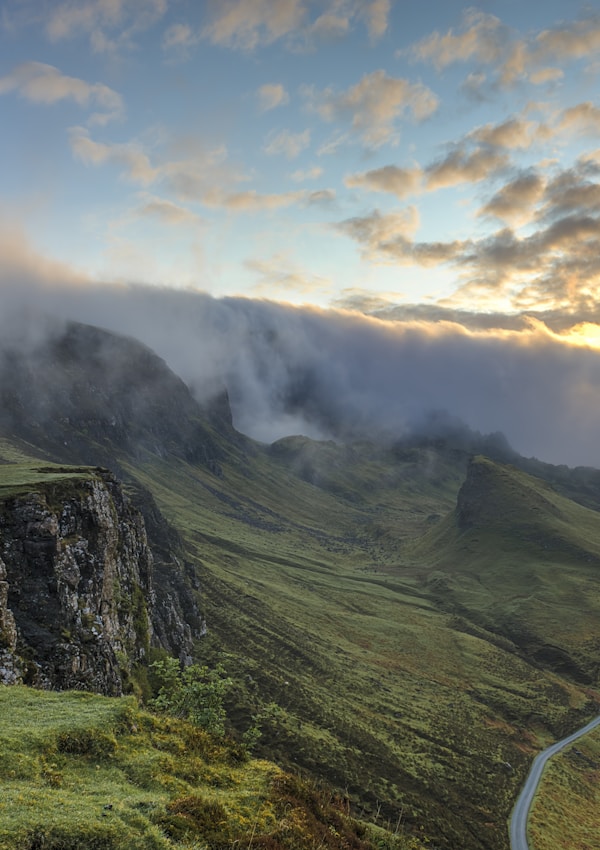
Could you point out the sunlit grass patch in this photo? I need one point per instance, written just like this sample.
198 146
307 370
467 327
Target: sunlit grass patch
84 772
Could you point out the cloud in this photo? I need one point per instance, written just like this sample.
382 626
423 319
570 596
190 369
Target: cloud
135 163
250 24
575 40
204 176
460 166
45 84
321 197
511 134
330 27
482 37
253 201
101 19
322 373
201 175
582 118
377 16
332 145
570 193
514 202
287 143
21 264
384 236
400 182
475 158
272 95
197 172
246 24
554 265
179 37
166 212
281 274
374 105
546 75
302 175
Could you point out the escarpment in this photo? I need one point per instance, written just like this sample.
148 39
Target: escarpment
78 602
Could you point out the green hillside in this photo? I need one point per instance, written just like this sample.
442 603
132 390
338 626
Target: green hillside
83 772
407 624
523 561
370 667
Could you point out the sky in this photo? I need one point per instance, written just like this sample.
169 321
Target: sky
433 165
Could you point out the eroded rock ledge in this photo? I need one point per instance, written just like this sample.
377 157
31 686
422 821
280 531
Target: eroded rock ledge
78 607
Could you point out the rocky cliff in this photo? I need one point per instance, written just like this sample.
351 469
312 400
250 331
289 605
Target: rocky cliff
78 604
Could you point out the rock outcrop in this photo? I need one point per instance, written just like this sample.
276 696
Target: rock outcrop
78 607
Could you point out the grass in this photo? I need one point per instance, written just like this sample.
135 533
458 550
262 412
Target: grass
384 646
565 810
22 476
526 565
79 771
390 671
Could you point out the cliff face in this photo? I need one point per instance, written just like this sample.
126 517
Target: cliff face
77 598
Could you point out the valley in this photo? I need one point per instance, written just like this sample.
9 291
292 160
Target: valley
410 623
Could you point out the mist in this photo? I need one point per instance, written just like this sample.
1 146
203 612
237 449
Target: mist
333 374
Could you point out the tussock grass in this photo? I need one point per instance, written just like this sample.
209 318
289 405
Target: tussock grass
79 771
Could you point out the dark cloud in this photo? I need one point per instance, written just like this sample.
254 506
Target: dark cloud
515 201
462 166
291 370
388 237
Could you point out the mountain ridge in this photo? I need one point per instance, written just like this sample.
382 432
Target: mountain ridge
374 665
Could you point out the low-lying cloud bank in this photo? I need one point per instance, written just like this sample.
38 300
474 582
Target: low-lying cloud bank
322 373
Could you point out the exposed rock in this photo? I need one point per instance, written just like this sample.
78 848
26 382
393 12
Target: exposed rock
10 670
77 598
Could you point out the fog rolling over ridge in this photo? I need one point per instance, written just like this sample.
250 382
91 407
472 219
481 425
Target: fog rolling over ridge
333 374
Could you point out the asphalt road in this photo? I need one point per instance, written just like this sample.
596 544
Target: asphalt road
518 821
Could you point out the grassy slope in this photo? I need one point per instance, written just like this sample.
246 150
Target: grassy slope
375 662
82 772
525 561
565 810
317 599
20 473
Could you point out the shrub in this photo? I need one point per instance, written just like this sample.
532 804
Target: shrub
194 693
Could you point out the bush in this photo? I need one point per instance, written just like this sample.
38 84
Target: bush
194 693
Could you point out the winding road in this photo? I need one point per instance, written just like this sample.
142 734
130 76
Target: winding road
518 821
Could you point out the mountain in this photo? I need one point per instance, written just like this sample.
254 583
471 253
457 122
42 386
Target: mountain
82 392
411 620
523 561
